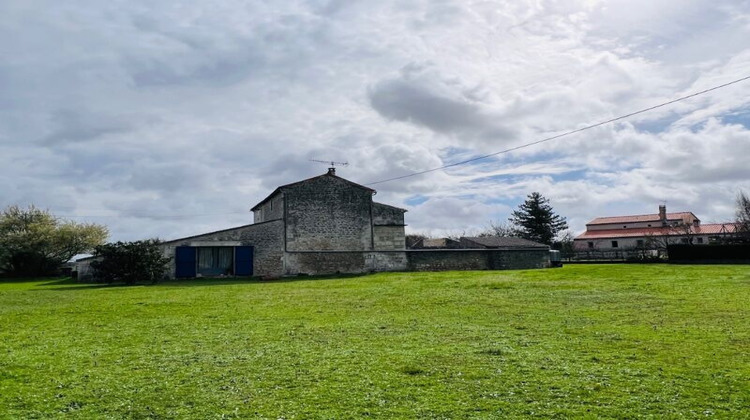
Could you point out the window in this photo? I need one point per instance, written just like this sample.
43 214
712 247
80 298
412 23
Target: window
591 245
624 226
614 244
700 240
209 261
649 225
639 243
215 260
684 240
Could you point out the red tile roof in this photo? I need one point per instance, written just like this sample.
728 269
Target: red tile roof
685 215
707 229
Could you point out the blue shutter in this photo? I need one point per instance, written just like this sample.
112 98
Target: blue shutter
185 261
243 261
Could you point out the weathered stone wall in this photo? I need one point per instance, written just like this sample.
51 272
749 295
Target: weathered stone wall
317 263
271 210
267 240
333 262
386 261
389 238
519 259
484 259
383 214
442 260
314 263
328 213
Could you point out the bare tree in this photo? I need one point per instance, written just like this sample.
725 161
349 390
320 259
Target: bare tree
499 229
565 244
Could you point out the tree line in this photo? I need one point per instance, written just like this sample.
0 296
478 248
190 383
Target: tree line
34 243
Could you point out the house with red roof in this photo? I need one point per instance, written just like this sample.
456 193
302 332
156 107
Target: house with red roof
649 232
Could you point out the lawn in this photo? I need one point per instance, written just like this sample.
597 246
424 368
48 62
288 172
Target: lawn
659 341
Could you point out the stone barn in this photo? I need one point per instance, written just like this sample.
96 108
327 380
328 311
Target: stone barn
325 225
321 225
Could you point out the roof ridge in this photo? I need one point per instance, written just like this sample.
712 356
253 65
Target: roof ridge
281 187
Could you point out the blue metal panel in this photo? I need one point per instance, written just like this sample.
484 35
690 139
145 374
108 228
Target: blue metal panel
243 261
185 261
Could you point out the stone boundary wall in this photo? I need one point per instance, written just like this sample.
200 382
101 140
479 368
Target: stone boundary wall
333 262
476 259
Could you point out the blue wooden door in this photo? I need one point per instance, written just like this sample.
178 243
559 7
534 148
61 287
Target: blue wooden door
185 261
243 261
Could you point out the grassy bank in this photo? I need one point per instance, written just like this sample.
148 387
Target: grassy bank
598 340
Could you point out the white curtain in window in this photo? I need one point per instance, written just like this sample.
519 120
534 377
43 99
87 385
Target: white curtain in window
215 260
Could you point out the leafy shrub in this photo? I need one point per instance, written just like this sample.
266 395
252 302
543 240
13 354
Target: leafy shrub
130 262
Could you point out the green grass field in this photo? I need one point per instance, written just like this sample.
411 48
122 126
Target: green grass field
618 341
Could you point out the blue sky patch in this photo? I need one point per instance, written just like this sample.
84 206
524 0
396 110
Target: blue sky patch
741 117
416 200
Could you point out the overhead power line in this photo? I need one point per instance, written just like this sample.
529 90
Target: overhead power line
567 133
463 162
156 216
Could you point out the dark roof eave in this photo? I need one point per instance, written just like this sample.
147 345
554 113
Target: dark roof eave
390 206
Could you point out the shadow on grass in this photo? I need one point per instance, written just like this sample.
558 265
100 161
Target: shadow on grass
31 279
70 284
218 281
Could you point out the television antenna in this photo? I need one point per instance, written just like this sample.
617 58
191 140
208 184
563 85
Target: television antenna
330 162
332 168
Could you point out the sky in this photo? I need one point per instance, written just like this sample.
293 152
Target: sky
173 118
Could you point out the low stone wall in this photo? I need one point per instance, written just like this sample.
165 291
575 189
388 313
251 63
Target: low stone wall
476 259
333 262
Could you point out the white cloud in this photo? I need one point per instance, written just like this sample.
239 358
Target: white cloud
144 112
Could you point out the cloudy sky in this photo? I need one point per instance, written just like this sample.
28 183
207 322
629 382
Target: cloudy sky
172 118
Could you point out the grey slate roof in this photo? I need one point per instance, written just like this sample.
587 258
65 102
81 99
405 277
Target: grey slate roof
283 187
503 242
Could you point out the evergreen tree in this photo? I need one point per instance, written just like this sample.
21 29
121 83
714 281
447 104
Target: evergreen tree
743 217
536 221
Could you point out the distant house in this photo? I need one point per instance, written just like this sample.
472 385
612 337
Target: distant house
649 231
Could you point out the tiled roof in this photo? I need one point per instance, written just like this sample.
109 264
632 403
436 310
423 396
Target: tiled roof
707 229
505 242
640 218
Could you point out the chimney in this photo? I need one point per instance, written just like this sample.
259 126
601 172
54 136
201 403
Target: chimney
331 171
663 213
